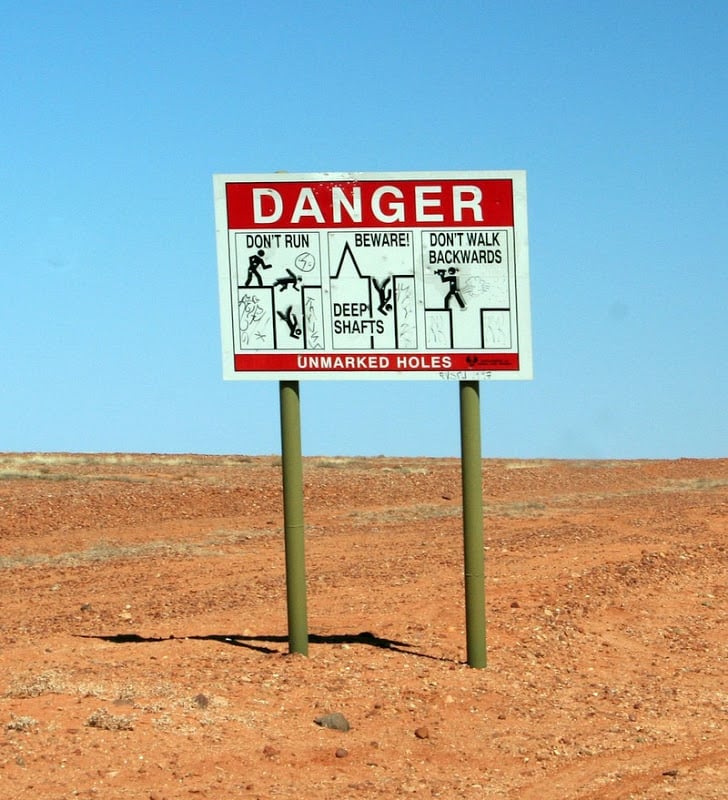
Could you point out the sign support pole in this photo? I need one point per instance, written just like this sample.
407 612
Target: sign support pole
473 523
292 463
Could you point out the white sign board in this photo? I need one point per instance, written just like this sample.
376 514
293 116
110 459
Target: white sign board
368 275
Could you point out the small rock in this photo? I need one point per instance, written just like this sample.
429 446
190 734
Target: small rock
202 701
108 722
270 752
422 733
21 723
670 773
515 604
335 721
341 752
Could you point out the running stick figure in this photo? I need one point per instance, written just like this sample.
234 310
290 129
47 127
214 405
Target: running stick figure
255 262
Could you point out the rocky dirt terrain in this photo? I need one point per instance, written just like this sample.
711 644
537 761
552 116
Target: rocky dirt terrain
143 634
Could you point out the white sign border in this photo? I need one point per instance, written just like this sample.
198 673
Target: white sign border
521 276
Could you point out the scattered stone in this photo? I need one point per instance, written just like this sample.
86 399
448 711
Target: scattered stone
341 752
271 752
515 604
335 721
201 700
21 723
86 607
670 773
108 722
124 700
422 733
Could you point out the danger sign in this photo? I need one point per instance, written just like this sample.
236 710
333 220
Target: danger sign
404 275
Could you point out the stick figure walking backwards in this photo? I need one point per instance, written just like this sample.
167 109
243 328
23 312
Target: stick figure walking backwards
255 262
451 279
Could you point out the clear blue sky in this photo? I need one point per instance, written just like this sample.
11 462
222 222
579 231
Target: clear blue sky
116 115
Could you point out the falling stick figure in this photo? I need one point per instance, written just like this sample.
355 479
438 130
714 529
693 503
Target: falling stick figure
284 283
291 320
255 262
385 295
450 277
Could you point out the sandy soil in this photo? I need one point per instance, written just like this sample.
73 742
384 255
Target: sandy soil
143 639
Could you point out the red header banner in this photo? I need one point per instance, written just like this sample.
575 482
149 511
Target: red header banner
370 203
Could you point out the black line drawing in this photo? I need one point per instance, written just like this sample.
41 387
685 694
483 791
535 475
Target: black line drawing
405 316
284 283
450 277
255 262
305 262
496 324
475 286
312 324
372 309
291 320
495 334
251 316
385 295
436 333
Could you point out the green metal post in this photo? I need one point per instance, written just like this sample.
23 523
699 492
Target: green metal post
473 523
293 517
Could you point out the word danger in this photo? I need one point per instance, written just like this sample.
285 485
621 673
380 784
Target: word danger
386 203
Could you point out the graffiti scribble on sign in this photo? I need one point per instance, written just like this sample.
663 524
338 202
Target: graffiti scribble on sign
253 318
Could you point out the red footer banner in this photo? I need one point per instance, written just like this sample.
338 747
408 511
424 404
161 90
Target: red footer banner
375 362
